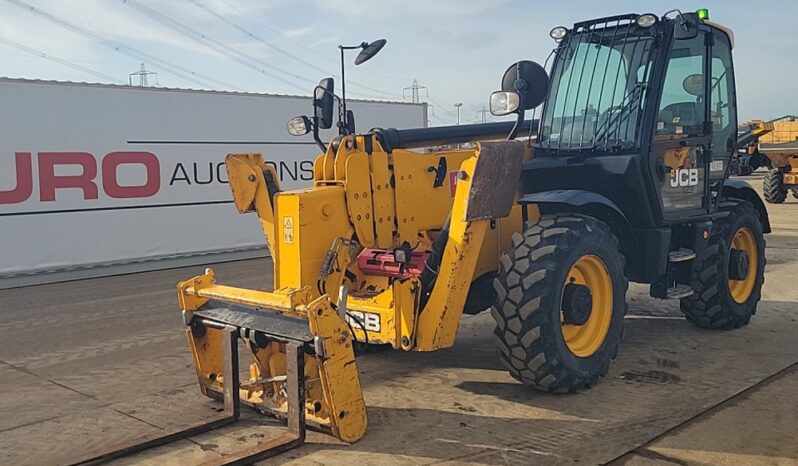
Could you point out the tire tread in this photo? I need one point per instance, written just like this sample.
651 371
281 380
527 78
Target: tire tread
705 307
773 186
546 239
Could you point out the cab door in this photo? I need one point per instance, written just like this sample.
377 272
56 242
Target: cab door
722 110
680 150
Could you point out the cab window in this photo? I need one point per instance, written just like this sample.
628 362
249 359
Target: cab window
722 107
681 109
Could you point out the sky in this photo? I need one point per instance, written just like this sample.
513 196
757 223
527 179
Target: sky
457 49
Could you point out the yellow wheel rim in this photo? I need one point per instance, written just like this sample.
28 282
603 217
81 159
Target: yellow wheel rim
741 289
584 340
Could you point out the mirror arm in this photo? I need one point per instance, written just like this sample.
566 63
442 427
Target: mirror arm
342 112
517 126
316 137
521 112
343 117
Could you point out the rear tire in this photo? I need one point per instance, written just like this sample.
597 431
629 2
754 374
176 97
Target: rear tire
718 301
773 186
555 253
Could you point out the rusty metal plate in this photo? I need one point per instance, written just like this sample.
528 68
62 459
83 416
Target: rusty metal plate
495 180
269 322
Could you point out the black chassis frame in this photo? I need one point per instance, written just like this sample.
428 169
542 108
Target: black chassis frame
617 188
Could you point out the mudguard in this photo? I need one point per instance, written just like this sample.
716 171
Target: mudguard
595 205
740 189
574 197
585 201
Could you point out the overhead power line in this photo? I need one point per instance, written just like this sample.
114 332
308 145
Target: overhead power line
253 36
279 50
275 31
299 43
143 76
483 114
444 108
170 67
414 90
60 61
166 66
219 47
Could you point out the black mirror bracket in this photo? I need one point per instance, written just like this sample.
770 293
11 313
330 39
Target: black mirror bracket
686 24
316 137
346 120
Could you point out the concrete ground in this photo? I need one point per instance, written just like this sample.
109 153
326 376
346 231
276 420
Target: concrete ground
90 363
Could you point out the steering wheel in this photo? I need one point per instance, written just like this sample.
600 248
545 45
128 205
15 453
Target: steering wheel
610 111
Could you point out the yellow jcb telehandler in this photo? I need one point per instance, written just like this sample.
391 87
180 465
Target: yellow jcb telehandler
625 179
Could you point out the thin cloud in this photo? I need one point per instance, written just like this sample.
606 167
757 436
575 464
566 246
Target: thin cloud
113 20
392 8
324 41
298 32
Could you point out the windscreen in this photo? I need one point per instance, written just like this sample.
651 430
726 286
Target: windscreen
599 79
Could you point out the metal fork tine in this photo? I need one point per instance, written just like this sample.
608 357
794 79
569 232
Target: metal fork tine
230 414
230 373
295 437
295 355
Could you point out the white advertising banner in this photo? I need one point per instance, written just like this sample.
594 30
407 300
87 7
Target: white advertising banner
96 175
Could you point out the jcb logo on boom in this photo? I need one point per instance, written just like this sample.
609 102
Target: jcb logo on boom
369 320
684 177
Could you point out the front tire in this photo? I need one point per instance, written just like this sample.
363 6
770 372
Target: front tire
773 186
561 301
725 295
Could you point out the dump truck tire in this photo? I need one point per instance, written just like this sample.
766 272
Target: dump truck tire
773 186
758 160
720 302
544 342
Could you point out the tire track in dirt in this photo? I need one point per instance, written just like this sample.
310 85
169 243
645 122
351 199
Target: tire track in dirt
103 308
38 361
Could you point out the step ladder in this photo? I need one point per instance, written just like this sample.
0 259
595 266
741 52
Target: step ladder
669 287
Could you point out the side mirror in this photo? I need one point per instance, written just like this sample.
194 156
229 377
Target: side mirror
369 50
694 84
524 87
323 102
685 26
529 80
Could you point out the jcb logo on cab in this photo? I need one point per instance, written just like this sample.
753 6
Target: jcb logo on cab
684 177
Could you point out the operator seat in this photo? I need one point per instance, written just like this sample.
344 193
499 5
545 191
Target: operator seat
680 114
